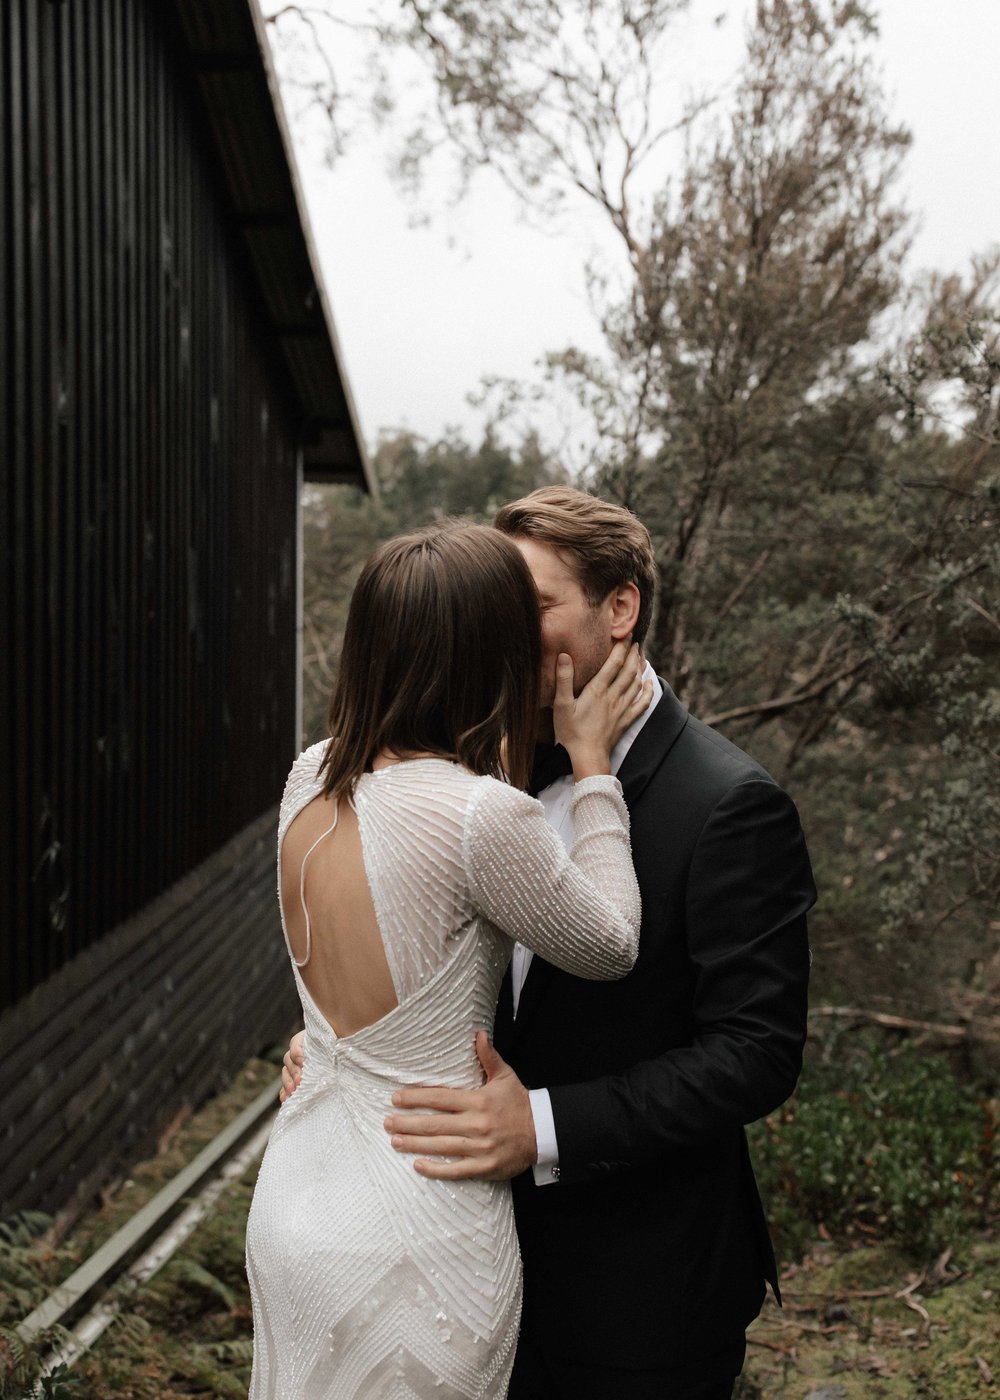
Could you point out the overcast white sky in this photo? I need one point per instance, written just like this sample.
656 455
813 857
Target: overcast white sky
423 312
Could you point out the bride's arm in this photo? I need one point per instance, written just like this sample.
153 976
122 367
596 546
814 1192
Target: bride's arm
580 911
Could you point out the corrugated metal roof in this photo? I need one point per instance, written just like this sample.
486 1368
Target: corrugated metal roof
231 63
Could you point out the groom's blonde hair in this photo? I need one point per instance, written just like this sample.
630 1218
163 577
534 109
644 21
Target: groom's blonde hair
607 544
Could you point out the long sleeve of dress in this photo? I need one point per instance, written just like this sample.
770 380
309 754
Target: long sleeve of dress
579 911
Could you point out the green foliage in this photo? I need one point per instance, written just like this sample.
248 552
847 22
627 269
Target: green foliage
421 482
236 1352
188 1331
131 1329
61 1384
953 855
884 1145
29 1266
199 1285
21 1228
17 1366
813 443
865 1325
21 1365
223 1367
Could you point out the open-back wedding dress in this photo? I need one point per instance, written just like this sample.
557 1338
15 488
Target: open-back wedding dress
369 1281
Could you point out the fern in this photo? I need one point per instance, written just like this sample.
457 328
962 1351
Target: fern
131 1329
194 1275
21 1363
233 1353
22 1291
222 1366
60 1384
12 1353
20 1229
28 1267
18 1366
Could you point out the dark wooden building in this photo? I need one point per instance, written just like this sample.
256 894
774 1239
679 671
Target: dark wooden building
170 372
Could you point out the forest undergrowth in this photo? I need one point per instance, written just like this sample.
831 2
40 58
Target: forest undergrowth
881 1179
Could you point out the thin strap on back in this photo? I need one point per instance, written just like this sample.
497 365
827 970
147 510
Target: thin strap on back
302 888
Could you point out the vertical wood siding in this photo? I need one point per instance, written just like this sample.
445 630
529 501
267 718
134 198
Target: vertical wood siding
147 597
140 1026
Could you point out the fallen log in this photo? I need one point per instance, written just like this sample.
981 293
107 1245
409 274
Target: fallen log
896 1023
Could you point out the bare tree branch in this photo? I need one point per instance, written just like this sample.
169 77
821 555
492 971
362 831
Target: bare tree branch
791 700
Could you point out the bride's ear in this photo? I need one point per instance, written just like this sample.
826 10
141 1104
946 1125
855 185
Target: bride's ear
624 602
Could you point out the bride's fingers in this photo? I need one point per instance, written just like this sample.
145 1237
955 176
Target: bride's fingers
564 679
625 691
612 669
630 671
642 699
636 704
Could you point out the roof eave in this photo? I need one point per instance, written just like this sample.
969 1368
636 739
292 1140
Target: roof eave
231 62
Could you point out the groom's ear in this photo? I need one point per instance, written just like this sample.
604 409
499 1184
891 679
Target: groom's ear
624 603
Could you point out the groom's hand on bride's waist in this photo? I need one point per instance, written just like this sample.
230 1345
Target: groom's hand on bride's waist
489 1132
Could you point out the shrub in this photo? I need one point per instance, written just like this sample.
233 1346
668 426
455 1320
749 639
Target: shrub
886 1145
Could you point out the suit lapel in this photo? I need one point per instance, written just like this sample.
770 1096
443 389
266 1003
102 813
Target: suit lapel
652 745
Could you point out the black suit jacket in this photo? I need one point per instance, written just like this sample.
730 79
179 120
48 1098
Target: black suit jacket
653 1246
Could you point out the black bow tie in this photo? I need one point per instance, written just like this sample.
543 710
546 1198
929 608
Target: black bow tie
551 762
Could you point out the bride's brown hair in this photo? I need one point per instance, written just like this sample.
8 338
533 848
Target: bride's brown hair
441 655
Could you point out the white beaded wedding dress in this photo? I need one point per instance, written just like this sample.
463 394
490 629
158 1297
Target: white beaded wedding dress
369 1281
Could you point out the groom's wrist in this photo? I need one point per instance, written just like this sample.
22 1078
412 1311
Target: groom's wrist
546 1167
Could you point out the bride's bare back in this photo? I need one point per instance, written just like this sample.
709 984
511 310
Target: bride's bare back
341 958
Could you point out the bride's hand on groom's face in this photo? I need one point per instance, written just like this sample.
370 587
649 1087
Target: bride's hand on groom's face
588 725
490 1131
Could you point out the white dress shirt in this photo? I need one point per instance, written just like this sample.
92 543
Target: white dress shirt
556 799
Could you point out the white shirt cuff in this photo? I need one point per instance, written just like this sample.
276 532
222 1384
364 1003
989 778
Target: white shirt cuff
546 1169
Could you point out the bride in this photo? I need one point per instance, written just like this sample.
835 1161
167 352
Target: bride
409 861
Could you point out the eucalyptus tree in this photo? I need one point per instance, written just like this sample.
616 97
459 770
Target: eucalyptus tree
812 439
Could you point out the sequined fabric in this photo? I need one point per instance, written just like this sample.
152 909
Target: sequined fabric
370 1282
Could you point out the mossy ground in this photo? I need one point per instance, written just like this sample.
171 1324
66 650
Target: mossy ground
865 1325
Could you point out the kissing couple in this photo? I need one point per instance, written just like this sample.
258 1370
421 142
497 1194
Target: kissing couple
516 828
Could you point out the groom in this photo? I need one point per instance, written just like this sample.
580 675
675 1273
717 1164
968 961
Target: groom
618 1107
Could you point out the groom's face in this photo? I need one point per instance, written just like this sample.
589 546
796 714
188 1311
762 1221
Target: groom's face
569 622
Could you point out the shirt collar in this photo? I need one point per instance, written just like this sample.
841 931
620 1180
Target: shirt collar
623 745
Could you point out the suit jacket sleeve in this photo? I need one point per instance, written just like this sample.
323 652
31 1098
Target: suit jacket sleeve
748 888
